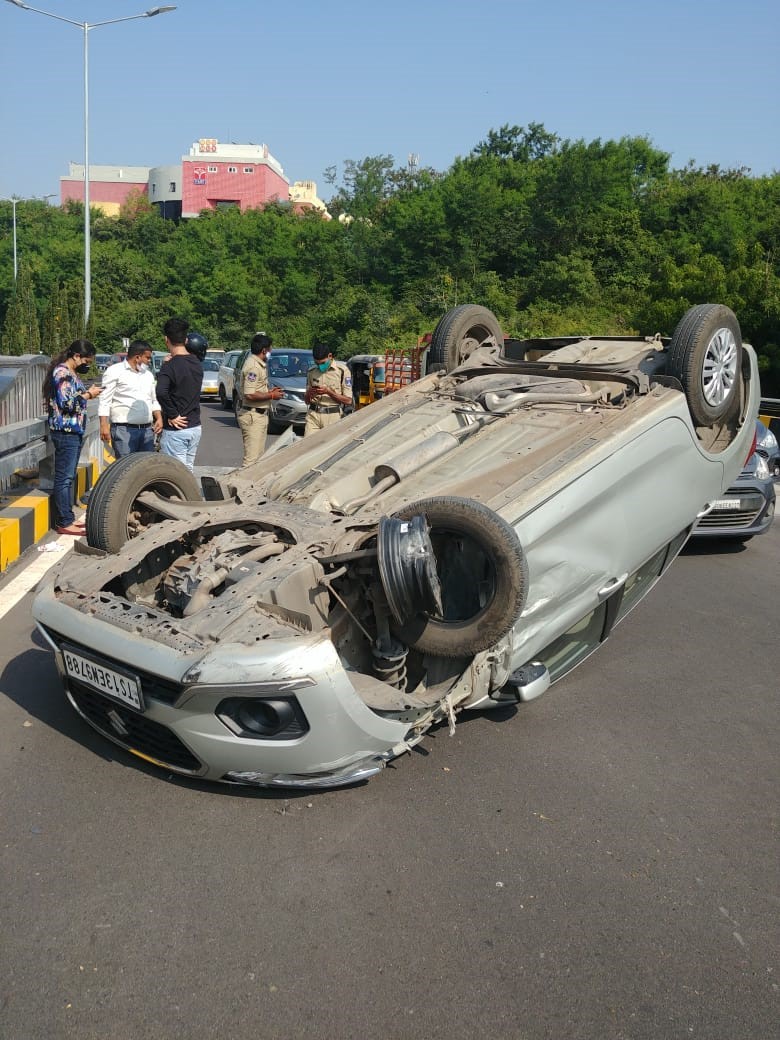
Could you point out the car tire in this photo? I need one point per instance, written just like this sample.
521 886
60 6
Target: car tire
459 333
705 356
468 627
223 398
112 514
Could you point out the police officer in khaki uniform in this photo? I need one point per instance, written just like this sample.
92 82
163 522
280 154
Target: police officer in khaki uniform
255 395
328 389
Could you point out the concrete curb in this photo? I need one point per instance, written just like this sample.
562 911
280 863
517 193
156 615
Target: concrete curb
26 515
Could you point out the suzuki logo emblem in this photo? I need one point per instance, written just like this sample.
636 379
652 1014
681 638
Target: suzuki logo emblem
117 724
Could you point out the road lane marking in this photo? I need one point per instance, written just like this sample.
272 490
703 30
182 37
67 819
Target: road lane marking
31 573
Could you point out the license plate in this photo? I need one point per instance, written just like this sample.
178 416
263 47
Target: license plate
119 686
727 503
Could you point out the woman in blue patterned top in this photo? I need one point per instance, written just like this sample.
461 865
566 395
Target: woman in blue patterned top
66 397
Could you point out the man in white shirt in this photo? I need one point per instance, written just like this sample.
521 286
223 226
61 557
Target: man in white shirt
129 412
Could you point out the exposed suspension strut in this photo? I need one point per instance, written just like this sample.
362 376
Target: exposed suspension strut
390 662
388 653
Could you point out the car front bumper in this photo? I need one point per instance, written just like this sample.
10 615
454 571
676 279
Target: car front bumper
746 509
180 730
288 411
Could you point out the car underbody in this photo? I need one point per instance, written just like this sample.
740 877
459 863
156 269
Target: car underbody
320 611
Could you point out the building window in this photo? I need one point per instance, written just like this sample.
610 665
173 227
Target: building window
172 186
232 169
249 169
212 169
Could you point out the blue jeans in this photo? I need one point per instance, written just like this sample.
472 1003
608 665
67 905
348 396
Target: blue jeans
127 439
181 444
67 449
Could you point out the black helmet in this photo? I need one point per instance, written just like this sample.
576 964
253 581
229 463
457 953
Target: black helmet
197 344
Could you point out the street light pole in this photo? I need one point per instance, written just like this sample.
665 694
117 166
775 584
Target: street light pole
85 28
13 200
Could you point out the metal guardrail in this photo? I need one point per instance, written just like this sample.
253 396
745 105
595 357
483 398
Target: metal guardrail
24 430
23 427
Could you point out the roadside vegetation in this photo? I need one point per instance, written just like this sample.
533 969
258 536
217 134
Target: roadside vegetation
554 236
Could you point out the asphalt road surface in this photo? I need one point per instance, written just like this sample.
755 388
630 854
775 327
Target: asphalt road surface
601 863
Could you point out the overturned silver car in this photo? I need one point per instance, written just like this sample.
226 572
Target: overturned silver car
457 545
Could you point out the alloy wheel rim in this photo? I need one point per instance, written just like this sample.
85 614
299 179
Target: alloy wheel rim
720 367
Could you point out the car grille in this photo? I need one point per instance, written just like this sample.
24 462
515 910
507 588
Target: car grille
133 731
153 686
734 518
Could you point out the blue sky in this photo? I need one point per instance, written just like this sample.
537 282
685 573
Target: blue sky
321 82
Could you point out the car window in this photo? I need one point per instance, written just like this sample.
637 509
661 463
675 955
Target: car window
635 586
294 363
210 365
576 644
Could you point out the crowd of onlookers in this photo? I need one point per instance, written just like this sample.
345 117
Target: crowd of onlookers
139 412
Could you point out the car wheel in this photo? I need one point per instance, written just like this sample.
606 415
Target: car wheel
460 332
223 398
235 406
705 355
483 578
113 513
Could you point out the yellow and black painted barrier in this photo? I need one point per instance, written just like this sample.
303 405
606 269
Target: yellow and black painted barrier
769 414
27 514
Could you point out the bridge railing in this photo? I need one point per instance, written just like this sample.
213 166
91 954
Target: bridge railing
24 430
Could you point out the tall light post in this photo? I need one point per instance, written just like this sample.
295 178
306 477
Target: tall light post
85 28
13 200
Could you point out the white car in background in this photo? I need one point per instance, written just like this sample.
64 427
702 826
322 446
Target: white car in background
209 388
227 377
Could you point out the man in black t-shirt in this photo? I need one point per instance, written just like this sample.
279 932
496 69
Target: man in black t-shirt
178 391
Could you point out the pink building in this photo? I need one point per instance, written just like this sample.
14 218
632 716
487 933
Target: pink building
109 186
215 175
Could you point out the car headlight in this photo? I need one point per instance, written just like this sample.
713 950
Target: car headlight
768 442
762 467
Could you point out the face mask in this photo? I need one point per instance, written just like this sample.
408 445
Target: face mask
323 366
143 367
82 369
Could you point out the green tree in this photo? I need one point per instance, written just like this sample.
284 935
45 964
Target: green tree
21 334
365 185
135 205
518 143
